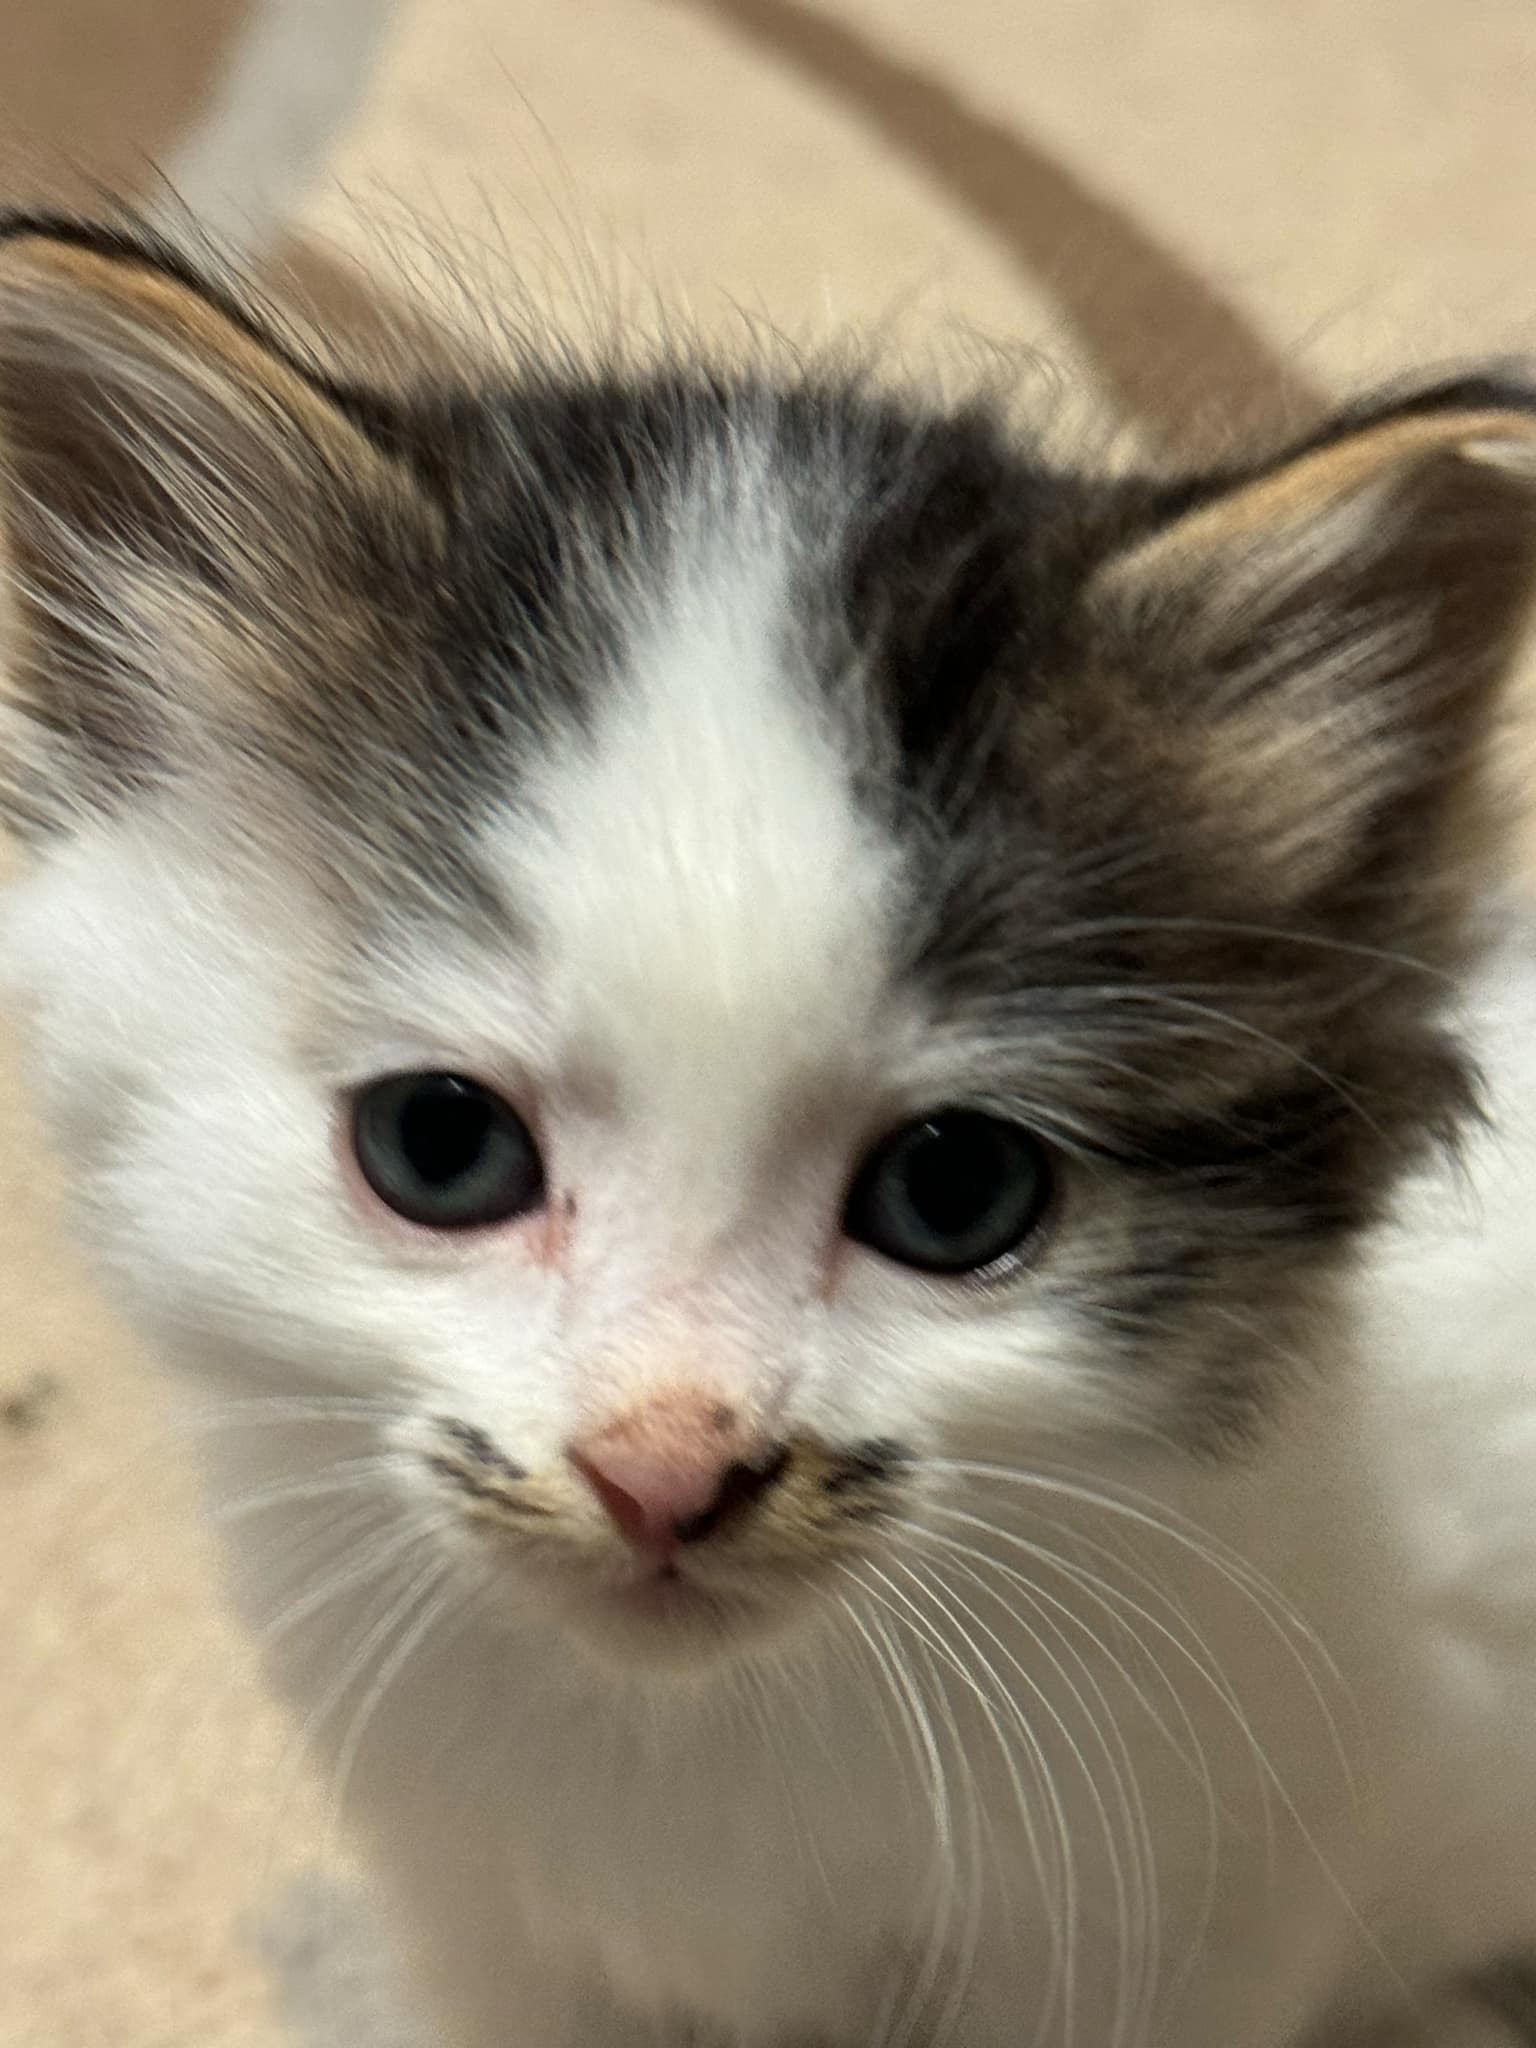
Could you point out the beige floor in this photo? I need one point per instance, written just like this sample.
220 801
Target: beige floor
1210 209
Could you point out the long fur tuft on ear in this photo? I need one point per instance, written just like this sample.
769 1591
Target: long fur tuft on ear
1320 644
177 481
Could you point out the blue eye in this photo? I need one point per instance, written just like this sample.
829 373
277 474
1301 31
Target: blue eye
952 1192
442 1151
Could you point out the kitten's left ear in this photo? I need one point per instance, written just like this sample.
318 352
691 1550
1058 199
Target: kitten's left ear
184 497
1319 642
129 375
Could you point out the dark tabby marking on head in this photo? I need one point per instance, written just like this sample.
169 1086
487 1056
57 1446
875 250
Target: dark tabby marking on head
1182 769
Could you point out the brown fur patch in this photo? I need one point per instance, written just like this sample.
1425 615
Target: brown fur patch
1343 619
198 524
1309 487
168 311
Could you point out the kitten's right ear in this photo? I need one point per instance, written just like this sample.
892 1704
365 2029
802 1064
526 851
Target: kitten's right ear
1318 649
171 469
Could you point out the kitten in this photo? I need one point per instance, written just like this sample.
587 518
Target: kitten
790 1072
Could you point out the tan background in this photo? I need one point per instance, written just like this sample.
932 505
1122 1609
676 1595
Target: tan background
1210 209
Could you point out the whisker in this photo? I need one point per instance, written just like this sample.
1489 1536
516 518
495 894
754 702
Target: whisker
257 1411
965 1957
937 1785
1117 1757
320 1593
100 1505
1060 1889
753 1682
1206 1669
1146 1511
1246 1580
428 1589
355 1654
345 1474
1112 1600
1241 1028
1042 1601
1290 1627
1089 929
429 1604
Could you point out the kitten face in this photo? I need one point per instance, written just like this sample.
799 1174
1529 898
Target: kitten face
922 960
684 970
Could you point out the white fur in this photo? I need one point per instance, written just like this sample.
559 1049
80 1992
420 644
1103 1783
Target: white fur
1125 1800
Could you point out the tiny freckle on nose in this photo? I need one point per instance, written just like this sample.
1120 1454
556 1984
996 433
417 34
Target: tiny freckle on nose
722 1418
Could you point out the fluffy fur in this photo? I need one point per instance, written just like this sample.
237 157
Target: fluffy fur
1133 1648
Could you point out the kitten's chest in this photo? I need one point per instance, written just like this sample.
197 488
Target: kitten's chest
770 1857
772 1861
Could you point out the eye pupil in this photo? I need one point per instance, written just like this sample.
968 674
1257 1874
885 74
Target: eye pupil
950 1175
951 1193
444 1151
443 1129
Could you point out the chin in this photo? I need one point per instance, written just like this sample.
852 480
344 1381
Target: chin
677 1624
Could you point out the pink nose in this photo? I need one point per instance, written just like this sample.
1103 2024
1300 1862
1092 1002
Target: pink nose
673 1470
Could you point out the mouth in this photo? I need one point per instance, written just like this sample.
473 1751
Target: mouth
660 1592
714 1593
667 1619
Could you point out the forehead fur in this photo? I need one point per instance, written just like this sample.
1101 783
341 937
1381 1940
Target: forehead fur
711 903
887 561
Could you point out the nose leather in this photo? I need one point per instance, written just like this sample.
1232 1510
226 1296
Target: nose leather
674 1469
